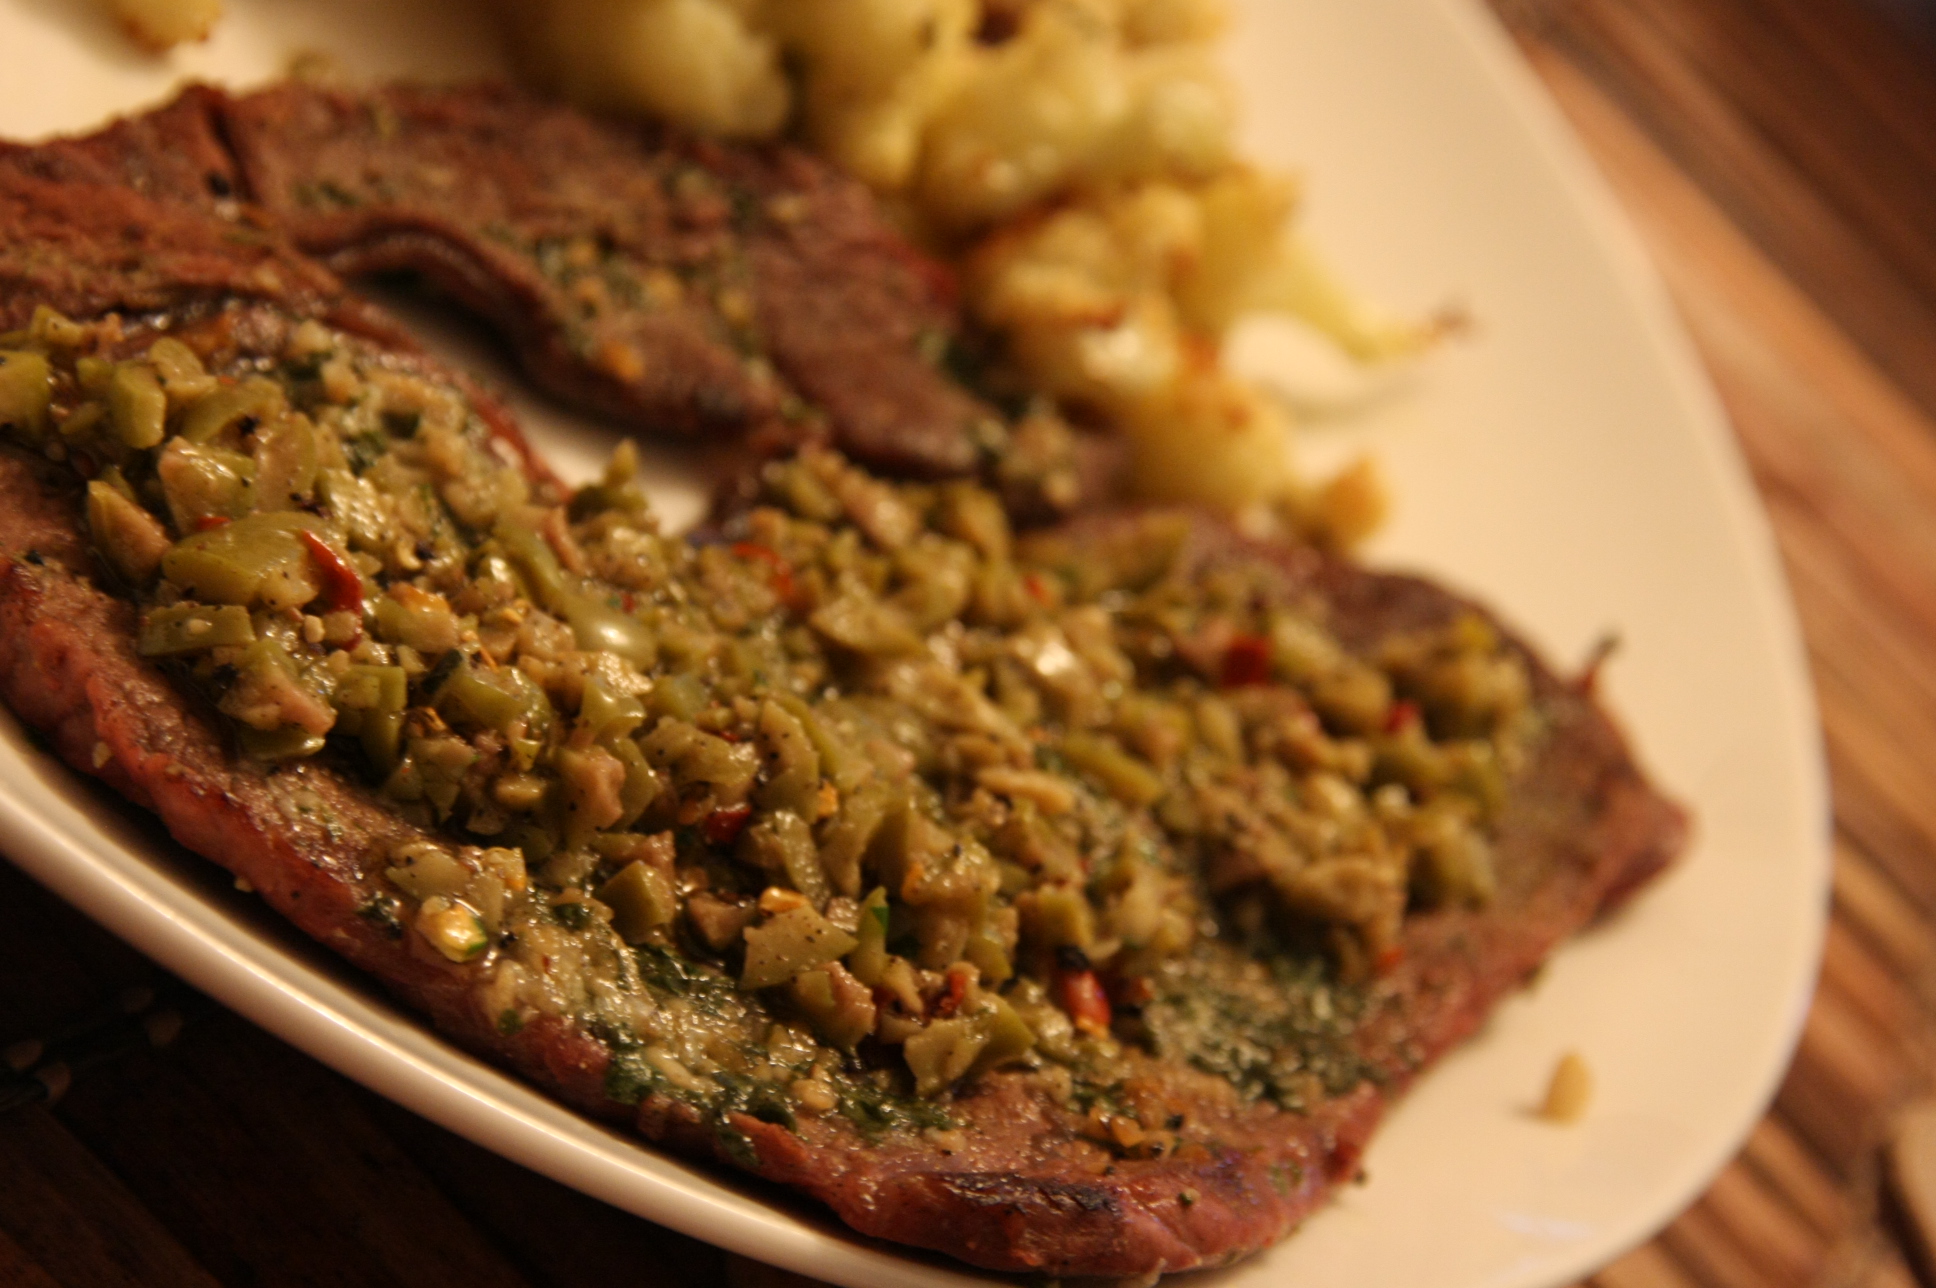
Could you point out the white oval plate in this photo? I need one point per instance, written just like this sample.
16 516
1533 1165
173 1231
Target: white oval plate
1568 462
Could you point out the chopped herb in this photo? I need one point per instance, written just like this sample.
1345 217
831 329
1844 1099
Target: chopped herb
572 914
385 912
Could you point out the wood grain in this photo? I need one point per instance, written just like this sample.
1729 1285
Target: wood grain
1779 160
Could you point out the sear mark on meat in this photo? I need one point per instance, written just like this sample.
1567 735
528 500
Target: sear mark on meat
686 287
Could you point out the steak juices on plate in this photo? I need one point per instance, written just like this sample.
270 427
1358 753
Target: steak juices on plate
1067 898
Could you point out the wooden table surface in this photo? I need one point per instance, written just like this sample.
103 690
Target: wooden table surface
1779 160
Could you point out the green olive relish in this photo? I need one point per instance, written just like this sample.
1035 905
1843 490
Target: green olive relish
862 795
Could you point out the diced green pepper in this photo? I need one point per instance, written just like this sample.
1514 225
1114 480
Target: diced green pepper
987 953
865 625
423 621
845 766
204 482
845 840
183 378
594 623
355 505
1057 916
93 375
425 869
53 329
699 759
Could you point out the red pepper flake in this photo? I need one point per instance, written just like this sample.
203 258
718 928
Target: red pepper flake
781 571
1246 661
210 522
954 993
1080 993
1402 716
723 826
939 279
1388 959
342 588
1037 587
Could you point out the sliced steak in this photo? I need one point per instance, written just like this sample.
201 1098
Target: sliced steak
681 286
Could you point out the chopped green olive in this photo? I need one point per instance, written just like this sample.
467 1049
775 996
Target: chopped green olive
285 463
789 943
1128 779
607 716
289 742
193 628
536 563
370 703
257 559
248 403
137 407
863 796
128 537
204 483
26 392
641 900
943 1051
502 699
598 625
868 960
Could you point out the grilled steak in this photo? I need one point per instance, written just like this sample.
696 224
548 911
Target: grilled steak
681 286
83 239
1583 830
1202 1140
